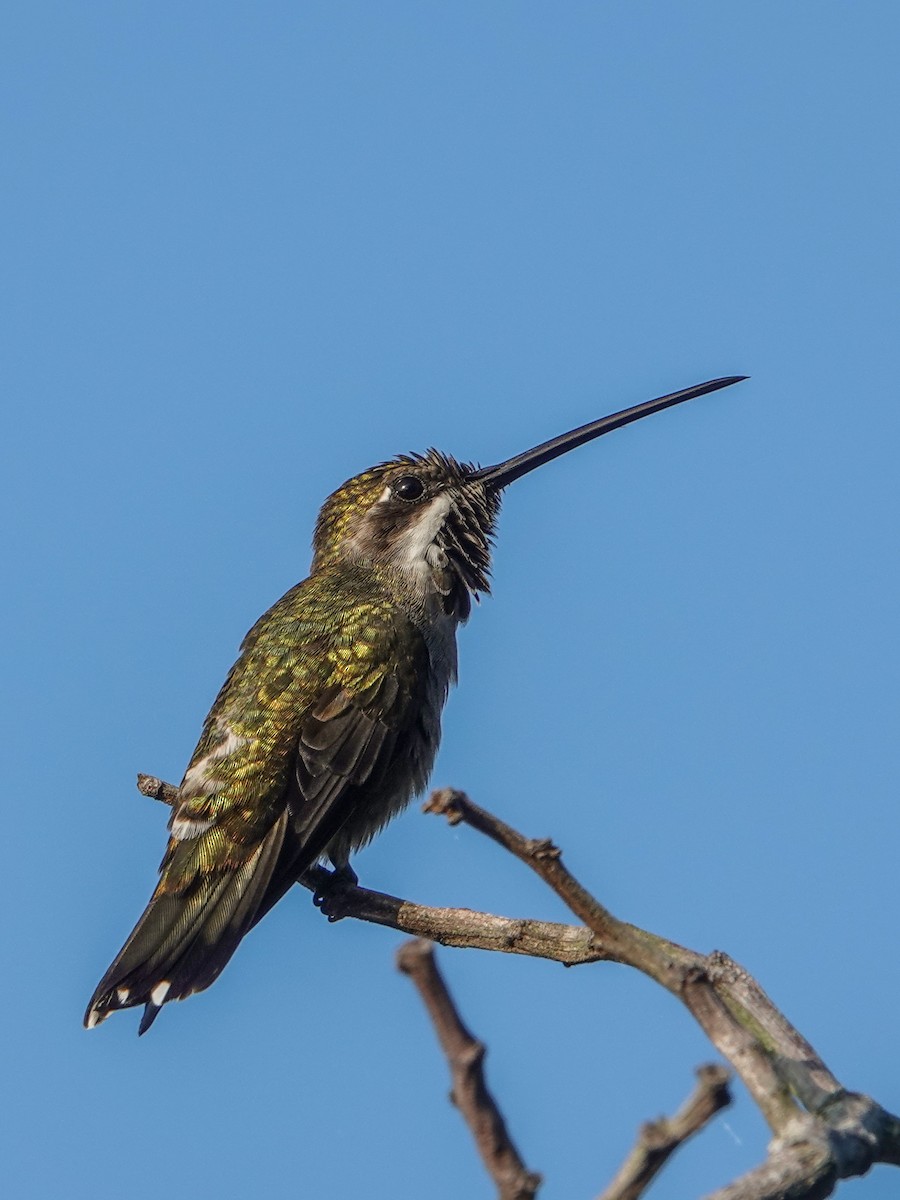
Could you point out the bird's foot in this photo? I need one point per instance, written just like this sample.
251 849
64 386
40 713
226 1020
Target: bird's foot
333 890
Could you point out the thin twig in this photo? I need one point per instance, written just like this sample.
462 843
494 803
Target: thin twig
571 945
658 1140
685 976
156 789
470 1093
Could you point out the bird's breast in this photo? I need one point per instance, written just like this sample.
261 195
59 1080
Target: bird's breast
413 754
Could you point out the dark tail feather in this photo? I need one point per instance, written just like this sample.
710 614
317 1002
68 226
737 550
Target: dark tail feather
183 940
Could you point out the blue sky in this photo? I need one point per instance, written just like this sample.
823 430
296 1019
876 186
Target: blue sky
250 250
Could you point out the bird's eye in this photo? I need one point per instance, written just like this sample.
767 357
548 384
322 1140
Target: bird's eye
408 487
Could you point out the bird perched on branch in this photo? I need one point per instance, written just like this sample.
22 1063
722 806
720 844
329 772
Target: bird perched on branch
329 721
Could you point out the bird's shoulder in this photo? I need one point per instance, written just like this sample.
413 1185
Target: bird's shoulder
337 628
331 643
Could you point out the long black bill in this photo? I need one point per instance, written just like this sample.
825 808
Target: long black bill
503 473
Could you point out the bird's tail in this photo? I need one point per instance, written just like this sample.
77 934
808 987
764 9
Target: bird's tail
185 938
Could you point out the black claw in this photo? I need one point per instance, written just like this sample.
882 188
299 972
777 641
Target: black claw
331 894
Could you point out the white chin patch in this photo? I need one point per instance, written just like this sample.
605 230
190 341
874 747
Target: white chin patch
413 545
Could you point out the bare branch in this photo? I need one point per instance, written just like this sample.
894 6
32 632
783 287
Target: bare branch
658 1140
470 1092
797 1060
683 973
571 945
842 1133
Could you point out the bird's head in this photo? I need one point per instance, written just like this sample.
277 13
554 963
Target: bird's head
424 519
428 521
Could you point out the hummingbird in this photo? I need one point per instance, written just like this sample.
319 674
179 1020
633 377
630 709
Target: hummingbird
329 722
